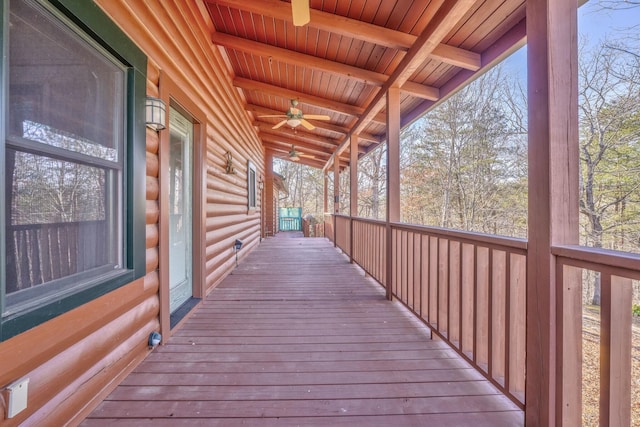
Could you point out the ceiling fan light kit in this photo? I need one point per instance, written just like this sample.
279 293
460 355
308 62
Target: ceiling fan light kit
294 117
295 156
294 122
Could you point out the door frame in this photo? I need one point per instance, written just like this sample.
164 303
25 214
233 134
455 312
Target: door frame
173 96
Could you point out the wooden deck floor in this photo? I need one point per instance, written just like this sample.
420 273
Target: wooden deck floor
298 336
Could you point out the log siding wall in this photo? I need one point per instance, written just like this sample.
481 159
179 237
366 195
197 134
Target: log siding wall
75 359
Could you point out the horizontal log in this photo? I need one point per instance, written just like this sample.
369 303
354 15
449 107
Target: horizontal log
151 258
152 211
50 383
18 354
152 164
153 188
152 236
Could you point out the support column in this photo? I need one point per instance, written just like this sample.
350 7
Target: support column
353 189
553 210
336 197
325 202
353 176
393 154
269 209
336 186
393 176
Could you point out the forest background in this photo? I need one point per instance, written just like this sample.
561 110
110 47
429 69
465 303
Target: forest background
464 164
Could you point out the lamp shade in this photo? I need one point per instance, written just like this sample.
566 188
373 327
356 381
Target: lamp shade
155 113
293 122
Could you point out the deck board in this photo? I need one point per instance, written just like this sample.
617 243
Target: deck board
298 336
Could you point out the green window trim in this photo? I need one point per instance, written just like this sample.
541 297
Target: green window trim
98 26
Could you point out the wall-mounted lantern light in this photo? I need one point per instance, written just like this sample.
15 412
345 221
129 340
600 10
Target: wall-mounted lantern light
261 184
237 245
156 112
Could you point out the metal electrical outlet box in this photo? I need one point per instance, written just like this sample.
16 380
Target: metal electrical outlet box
18 393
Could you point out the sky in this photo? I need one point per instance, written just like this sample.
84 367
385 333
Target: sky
593 22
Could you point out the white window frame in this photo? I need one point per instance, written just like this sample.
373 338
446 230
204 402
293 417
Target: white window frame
252 185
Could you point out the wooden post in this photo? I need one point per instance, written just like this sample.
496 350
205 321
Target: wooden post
269 209
353 189
336 197
553 206
325 205
336 186
393 176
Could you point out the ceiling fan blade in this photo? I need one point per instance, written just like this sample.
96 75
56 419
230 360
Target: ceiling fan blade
317 117
300 12
309 156
307 125
274 115
282 123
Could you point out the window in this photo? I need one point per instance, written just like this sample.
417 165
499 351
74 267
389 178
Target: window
71 200
251 185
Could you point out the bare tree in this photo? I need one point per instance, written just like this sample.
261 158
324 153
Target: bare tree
462 159
609 151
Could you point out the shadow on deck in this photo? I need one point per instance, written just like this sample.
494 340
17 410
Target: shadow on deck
297 336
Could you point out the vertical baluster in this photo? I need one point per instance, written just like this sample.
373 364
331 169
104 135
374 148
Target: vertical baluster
615 351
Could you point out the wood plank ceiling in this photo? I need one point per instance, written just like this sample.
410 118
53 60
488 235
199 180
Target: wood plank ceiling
342 62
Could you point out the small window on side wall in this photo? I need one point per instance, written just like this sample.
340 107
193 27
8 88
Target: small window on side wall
251 185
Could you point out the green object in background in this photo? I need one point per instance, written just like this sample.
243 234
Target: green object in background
290 219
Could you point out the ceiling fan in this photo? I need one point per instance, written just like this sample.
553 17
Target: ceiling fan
294 117
295 155
300 12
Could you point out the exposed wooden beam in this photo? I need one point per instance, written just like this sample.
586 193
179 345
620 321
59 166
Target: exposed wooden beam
293 141
284 147
329 144
316 101
326 143
299 59
512 40
304 147
455 56
281 150
421 91
442 23
281 153
328 22
310 61
358 30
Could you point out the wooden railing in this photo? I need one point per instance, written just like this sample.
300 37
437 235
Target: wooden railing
312 229
328 226
468 288
343 233
616 270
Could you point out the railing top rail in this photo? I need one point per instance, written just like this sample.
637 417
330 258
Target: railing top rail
468 236
600 259
511 243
